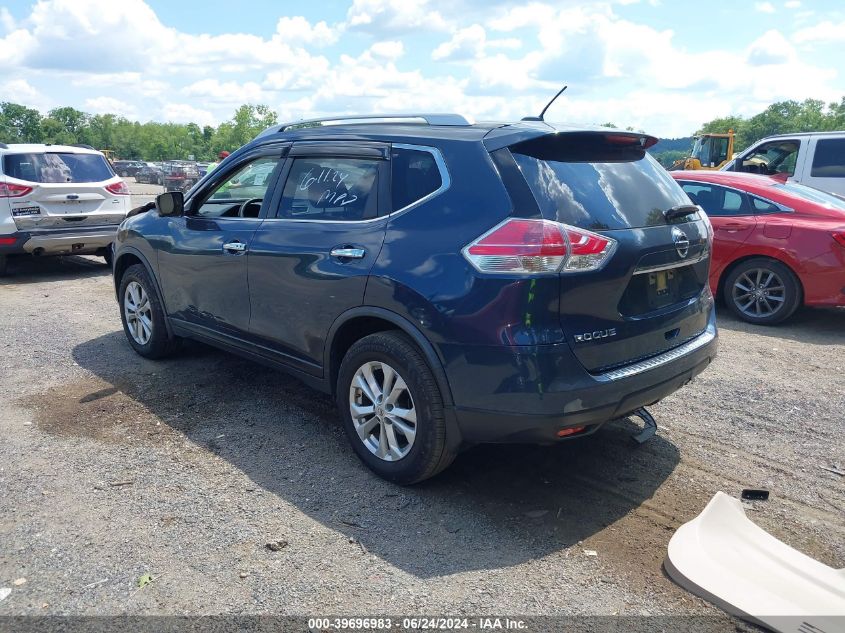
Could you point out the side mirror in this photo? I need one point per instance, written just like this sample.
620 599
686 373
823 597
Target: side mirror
171 203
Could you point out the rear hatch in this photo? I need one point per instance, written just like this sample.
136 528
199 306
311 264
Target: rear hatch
651 294
65 190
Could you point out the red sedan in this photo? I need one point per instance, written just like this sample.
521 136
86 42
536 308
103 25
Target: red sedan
777 245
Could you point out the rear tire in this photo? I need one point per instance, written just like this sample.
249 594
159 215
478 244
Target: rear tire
108 256
762 291
142 315
404 437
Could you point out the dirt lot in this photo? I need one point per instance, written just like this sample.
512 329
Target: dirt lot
113 467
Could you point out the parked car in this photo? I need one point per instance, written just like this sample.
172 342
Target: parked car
150 174
180 175
815 159
448 283
58 200
777 246
126 168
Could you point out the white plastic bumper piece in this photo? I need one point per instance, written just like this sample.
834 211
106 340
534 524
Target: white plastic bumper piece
725 558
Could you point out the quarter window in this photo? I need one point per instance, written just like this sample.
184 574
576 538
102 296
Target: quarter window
331 189
414 175
763 206
829 159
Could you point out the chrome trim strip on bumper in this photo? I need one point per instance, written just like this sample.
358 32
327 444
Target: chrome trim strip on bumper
680 264
700 341
55 244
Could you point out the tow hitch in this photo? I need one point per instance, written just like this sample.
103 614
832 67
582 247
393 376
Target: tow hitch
649 426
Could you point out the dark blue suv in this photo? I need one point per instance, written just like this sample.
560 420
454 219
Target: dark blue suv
449 283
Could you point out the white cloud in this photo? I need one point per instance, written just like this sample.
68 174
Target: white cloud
394 16
764 7
21 91
7 22
185 113
230 92
770 48
298 30
465 44
110 105
792 4
826 31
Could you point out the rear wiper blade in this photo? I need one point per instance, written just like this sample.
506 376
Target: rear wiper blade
679 211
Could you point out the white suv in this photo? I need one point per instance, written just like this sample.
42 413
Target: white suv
58 200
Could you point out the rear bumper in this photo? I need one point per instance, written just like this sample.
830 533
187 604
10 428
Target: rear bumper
79 241
529 394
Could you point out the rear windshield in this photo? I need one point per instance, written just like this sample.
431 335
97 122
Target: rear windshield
814 195
586 183
57 167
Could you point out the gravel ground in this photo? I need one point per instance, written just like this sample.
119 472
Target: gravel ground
113 467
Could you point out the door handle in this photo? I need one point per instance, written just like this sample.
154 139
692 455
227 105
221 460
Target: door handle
348 253
234 247
736 226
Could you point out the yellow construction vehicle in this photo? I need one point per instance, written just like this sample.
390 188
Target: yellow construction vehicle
710 151
109 154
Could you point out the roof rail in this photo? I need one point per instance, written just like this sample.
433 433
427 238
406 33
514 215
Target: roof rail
421 119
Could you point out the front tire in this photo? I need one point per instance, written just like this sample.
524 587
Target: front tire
392 409
762 291
142 315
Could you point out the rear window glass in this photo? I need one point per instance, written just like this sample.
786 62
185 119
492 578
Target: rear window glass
814 195
57 167
414 175
587 184
829 159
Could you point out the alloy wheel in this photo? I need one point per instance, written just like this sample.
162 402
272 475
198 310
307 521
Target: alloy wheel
382 411
138 312
759 292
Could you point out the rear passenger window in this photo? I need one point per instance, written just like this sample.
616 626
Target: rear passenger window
716 201
829 159
414 175
332 189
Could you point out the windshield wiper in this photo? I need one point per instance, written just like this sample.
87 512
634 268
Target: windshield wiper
679 211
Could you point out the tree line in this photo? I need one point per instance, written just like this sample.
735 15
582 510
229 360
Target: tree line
163 141
783 117
132 140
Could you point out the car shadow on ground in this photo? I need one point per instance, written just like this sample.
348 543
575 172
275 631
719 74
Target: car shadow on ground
495 507
25 269
818 326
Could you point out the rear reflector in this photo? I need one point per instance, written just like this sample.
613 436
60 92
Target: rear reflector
570 431
118 188
538 246
10 190
839 236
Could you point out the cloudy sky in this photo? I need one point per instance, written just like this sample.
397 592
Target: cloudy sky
664 66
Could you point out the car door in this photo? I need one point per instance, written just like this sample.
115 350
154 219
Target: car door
730 214
825 165
203 264
310 259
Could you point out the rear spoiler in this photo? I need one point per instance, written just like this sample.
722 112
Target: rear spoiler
508 135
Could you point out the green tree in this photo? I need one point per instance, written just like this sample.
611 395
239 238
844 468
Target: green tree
244 126
19 124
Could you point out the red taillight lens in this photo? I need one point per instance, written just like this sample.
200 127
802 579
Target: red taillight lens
572 430
9 190
538 246
7 241
839 236
118 188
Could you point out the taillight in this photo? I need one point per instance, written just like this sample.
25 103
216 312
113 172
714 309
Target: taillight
538 246
839 236
7 241
118 188
10 190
